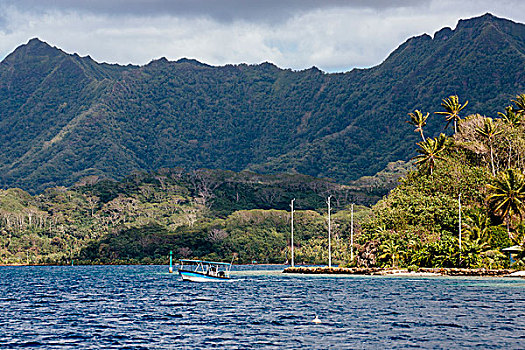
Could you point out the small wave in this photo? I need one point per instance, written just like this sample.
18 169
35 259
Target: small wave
8 299
155 318
289 317
203 299
391 313
398 337
401 325
451 325
173 304
28 344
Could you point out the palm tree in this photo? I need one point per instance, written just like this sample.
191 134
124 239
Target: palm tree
445 253
507 195
471 252
422 256
452 109
390 250
430 152
477 226
489 131
510 117
520 104
419 121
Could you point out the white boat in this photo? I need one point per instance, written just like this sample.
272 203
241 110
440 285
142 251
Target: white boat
204 271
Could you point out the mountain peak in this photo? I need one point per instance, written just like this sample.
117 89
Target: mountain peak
34 47
480 20
487 16
443 34
191 61
37 46
36 41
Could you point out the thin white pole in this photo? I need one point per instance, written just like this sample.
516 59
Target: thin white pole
291 205
460 224
329 236
352 234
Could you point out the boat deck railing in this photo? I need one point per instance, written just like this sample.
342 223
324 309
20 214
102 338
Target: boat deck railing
212 268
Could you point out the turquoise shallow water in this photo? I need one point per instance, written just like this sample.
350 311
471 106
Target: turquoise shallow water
143 307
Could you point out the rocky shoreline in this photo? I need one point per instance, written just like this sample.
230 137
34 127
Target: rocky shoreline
378 271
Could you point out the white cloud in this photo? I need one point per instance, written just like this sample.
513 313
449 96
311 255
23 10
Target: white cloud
334 37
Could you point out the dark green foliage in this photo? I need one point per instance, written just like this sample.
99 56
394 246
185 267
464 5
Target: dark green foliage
65 117
204 213
418 223
151 241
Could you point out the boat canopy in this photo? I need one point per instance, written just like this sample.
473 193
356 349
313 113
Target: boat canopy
204 262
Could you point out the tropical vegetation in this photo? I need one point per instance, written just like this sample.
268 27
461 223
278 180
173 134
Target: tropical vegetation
199 214
222 215
482 164
90 156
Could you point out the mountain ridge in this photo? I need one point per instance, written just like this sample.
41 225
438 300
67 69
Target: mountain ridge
72 117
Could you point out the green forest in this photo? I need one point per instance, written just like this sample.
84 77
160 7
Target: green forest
103 163
65 117
224 215
482 166
204 213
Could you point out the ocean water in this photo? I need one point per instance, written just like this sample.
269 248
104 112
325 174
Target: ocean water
144 307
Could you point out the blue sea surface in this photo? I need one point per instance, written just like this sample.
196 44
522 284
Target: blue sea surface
144 307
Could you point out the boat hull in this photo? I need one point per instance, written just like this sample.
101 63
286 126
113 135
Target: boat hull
193 276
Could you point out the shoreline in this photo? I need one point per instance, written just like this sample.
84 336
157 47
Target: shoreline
379 271
359 271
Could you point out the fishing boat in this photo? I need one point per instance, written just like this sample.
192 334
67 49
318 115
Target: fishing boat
204 271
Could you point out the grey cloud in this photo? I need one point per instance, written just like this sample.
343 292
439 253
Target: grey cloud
224 10
4 27
332 35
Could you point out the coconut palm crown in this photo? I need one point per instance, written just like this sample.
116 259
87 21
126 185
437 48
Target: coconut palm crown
429 153
520 105
452 109
507 195
510 117
419 121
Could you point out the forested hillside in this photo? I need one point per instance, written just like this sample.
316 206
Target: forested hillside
220 215
478 172
65 117
196 214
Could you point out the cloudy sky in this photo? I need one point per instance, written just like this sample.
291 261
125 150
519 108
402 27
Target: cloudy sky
333 35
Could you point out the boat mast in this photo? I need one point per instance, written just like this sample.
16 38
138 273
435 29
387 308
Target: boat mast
459 200
291 205
329 235
352 233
